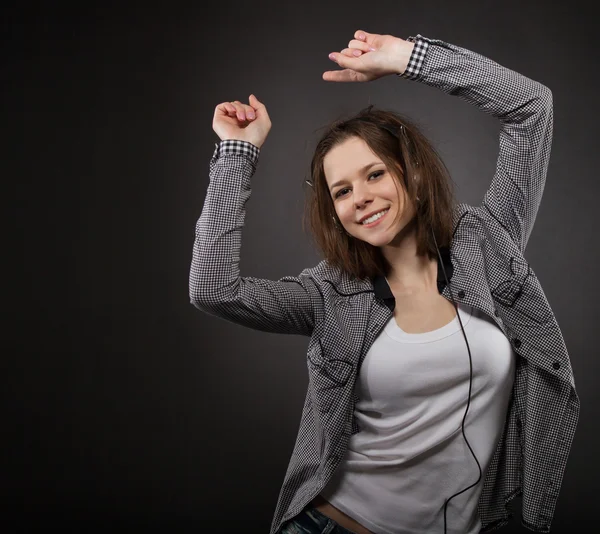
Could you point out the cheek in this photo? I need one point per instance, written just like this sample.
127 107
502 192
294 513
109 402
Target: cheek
343 211
399 199
396 194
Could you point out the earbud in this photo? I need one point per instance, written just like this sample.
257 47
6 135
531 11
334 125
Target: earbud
416 179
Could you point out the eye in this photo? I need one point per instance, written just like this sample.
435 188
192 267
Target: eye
376 174
340 192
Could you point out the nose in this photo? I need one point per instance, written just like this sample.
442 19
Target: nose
362 196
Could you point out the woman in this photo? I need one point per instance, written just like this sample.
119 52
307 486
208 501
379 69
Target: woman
439 383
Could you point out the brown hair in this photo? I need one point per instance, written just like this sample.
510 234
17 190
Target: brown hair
406 152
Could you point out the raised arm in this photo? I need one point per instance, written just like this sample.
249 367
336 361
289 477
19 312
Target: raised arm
286 306
523 107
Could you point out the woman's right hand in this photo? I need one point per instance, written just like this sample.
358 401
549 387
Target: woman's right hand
234 120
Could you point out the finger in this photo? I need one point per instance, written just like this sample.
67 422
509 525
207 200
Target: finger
360 45
346 75
261 110
229 108
239 110
250 113
225 108
346 62
364 36
247 111
351 52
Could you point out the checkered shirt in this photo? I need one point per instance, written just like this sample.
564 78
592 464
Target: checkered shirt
343 316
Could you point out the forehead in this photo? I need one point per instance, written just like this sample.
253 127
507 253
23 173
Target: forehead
344 160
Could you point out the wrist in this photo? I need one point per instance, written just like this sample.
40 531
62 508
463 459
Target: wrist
401 60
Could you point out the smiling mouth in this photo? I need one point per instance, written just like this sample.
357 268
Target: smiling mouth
379 216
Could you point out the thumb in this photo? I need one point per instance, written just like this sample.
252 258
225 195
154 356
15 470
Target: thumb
345 61
255 103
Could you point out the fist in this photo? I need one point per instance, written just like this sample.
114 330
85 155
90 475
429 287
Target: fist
234 120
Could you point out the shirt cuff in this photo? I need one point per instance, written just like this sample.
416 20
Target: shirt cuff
238 148
416 58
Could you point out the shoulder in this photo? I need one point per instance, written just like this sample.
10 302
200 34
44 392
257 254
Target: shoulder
326 275
324 272
476 220
478 234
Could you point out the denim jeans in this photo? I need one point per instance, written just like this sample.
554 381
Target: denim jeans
311 521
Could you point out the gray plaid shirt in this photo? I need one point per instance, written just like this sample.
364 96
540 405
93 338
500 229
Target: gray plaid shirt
343 316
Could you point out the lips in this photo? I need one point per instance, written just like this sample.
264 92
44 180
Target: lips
385 210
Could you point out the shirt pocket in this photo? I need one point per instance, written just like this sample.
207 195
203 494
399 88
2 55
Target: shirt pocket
522 297
327 376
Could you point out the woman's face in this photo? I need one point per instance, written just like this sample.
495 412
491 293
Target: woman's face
360 186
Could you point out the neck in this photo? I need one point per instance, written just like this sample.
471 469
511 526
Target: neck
408 273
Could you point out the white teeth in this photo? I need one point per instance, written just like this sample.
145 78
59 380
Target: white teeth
375 217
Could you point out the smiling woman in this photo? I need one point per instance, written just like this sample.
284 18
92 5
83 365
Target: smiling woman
423 316
376 160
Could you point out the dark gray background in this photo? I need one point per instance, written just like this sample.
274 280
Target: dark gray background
125 405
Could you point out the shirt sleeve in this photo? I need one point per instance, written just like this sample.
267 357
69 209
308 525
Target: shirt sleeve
236 147
284 306
416 58
524 109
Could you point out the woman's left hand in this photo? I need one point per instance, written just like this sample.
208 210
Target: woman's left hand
370 56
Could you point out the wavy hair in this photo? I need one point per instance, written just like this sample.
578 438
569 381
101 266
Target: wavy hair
406 152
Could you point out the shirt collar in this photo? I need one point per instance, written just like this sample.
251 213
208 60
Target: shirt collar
382 289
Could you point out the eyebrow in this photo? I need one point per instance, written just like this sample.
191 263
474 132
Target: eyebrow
362 170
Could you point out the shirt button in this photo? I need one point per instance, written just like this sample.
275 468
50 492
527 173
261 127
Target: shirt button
496 313
461 294
556 365
517 343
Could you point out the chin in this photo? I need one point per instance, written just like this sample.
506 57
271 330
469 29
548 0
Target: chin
384 237
379 240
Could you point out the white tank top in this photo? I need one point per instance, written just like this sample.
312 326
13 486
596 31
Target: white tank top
410 454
